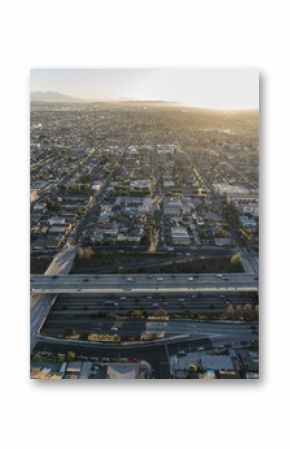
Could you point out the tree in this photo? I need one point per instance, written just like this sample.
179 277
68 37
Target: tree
60 358
255 345
235 261
256 312
192 369
161 313
239 313
69 332
71 355
37 358
248 312
86 253
136 314
230 312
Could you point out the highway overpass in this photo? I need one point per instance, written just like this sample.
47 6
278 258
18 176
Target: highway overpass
44 284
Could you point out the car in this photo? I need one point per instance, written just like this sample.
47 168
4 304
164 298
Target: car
159 279
190 278
129 279
114 329
219 275
181 354
228 302
200 348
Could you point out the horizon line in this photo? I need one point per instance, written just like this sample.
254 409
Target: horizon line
137 100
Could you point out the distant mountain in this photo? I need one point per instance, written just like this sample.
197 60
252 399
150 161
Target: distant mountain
53 97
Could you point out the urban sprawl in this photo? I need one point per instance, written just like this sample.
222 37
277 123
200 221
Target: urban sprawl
144 241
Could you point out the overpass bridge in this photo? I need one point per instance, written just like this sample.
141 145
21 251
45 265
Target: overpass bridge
57 284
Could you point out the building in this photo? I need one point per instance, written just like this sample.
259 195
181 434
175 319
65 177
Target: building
216 362
97 185
180 236
247 222
142 184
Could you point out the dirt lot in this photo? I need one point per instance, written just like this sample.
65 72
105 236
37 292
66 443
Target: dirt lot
145 263
39 264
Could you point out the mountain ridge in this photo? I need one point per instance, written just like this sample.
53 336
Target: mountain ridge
53 96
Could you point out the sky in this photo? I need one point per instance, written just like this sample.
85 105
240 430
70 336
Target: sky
207 88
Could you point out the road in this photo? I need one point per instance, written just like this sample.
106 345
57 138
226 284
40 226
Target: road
86 304
143 283
217 331
40 305
207 335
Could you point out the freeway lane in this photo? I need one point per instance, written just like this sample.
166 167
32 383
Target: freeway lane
142 283
145 277
215 330
40 305
39 308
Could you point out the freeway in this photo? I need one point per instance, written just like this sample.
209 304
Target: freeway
143 283
40 305
81 306
216 331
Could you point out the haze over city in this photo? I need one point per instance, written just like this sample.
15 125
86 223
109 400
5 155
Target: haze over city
224 89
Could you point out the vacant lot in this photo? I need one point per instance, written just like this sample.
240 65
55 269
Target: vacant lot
105 262
38 264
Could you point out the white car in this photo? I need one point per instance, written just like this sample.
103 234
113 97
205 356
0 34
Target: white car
159 279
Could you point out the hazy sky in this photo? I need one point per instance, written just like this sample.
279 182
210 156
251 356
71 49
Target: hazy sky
209 88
